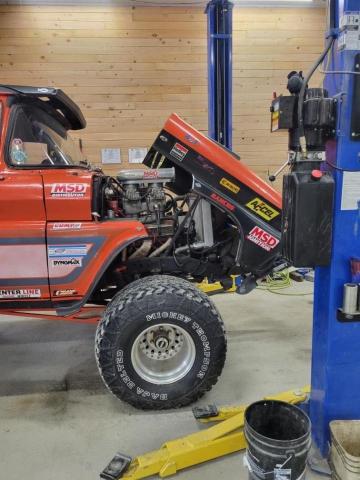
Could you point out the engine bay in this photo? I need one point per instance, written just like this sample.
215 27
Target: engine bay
187 234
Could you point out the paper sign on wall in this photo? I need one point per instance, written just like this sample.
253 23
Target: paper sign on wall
137 155
110 155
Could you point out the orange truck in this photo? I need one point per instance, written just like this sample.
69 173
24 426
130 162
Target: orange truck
131 246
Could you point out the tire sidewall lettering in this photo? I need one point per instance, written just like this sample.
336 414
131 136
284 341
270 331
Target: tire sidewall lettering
146 303
203 352
131 385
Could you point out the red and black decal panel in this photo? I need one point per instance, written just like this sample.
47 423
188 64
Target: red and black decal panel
259 221
220 156
261 242
218 179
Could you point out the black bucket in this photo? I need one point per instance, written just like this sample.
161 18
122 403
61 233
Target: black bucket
278 435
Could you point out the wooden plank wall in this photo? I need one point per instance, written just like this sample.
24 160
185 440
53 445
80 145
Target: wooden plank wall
129 68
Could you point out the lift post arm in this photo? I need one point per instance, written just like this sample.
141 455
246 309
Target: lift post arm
221 439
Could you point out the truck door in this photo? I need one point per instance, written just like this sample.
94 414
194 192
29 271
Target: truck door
23 259
23 254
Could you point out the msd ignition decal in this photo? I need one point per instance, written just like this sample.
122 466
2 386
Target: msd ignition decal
229 185
262 209
68 190
178 151
223 202
149 174
262 238
66 226
21 293
66 255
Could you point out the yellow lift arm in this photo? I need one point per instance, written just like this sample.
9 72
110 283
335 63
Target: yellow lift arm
215 287
221 439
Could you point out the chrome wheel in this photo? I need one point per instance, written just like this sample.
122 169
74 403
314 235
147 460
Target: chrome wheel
163 354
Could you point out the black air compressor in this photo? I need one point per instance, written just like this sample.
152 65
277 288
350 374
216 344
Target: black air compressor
308 190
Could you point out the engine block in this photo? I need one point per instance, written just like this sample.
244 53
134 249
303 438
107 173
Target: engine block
143 192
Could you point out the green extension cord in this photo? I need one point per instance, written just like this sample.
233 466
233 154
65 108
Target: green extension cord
280 281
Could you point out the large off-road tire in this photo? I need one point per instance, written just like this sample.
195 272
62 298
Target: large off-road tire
160 344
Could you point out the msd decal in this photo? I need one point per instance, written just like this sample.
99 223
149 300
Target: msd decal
68 190
151 174
223 202
178 151
263 239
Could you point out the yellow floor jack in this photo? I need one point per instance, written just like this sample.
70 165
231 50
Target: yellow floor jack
221 439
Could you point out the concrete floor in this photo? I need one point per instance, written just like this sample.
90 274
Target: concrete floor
58 422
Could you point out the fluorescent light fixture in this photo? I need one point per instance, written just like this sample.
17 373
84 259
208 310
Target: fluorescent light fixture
274 2
278 2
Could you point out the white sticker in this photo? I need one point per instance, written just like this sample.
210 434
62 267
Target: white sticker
21 293
66 262
58 251
349 38
350 196
66 226
282 473
350 20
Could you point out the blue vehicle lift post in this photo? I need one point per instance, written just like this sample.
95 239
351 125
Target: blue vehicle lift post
335 392
219 21
335 389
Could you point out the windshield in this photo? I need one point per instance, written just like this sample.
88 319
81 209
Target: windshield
38 139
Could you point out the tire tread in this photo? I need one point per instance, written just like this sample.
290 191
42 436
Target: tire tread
158 285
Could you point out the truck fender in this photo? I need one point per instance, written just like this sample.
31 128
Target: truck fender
75 307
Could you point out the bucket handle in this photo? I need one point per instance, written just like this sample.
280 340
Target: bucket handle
291 454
